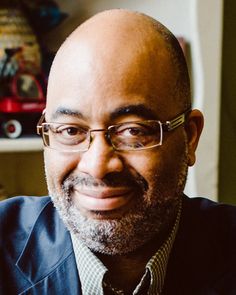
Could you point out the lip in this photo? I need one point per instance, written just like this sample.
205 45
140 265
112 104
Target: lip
102 199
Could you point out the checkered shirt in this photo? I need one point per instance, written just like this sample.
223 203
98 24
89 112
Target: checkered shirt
92 270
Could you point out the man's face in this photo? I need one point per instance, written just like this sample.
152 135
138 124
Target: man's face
114 201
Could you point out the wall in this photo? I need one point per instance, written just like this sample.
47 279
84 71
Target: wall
22 174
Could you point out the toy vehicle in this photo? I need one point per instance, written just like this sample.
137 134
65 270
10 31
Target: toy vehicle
22 100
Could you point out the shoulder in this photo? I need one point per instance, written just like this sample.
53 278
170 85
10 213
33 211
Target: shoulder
205 248
211 221
18 217
202 210
16 207
18 214
206 204
34 242
209 230
23 202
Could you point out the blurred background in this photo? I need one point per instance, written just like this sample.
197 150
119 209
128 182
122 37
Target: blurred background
32 31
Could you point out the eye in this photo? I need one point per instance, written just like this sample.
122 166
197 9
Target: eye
134 130
69 131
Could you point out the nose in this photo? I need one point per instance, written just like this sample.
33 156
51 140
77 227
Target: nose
100 159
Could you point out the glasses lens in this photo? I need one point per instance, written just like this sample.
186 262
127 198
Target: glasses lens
65 137
135 135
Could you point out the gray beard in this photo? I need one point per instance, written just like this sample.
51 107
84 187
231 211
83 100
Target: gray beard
150 216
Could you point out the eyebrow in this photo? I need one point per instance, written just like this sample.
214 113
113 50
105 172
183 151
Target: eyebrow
66 111
140 110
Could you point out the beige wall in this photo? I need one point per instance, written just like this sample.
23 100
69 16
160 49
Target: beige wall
22 173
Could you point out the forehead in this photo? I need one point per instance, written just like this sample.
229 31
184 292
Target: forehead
96 80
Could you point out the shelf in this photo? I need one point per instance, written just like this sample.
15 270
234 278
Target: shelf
24 144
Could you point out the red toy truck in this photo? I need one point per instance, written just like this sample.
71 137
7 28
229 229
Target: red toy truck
22 100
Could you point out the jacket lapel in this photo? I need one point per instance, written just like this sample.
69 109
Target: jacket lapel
47 260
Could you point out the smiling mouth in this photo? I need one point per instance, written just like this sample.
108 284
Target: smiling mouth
102 199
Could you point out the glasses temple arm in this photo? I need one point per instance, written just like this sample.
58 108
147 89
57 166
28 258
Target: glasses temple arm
176 122
39 124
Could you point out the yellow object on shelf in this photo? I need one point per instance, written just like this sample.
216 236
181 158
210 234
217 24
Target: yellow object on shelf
15 32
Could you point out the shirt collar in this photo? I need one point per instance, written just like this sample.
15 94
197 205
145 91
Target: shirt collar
157 265
92 270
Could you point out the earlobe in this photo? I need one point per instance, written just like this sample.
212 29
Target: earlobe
194 125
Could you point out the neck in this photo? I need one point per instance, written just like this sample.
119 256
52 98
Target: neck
126 271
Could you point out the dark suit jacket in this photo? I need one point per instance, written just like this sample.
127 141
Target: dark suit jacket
37 256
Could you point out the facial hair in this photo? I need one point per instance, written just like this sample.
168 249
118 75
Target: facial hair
152 213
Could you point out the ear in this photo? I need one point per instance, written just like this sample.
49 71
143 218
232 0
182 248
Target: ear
193 128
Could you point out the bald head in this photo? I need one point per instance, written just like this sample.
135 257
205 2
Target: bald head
118 45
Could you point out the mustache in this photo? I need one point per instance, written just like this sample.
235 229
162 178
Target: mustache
112 180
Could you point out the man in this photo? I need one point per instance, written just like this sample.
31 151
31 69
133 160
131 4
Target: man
119 134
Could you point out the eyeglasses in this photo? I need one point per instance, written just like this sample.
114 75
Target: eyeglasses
128 136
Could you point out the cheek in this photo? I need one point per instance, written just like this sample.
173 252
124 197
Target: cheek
146 163
160 167
58 166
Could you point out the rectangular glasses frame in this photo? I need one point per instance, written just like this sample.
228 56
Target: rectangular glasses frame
165 126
